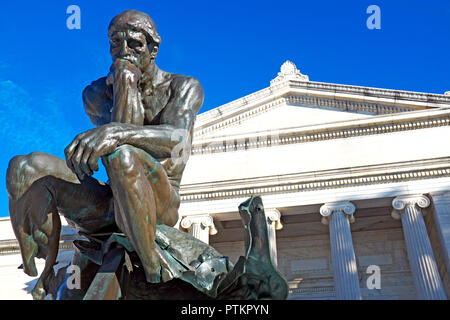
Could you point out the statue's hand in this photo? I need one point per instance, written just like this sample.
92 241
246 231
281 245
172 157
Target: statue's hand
124 71
83 153
128 107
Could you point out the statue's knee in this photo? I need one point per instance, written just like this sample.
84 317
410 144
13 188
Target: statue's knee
38 161
14 165
172 218
14 174
123 159
23 170
26 164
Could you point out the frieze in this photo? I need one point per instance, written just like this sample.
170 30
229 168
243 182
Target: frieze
303 186
274 139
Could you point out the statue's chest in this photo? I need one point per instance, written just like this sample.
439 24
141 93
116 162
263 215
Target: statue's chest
154 101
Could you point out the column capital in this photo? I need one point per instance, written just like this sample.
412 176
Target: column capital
401 202
273 215
204 220
329 208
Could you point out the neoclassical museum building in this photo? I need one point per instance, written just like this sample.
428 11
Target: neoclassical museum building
355 183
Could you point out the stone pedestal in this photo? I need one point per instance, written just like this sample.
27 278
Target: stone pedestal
338 216
420 254
201 226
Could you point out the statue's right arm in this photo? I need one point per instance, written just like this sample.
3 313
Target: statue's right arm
98 102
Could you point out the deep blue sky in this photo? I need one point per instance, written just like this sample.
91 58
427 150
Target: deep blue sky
233 47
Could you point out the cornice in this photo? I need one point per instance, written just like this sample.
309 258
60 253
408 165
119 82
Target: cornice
412 96
323 132
314 181
341 105
355 96
240 116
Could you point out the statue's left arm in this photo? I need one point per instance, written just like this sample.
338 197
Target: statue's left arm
177 117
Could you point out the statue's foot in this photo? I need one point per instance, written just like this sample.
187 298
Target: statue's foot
38 292
161 267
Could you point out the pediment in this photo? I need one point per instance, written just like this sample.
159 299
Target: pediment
289 112
283 117
293 101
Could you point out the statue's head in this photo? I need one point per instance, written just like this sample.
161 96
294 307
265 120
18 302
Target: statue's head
133 37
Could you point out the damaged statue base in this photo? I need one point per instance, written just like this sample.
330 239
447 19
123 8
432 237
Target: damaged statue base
110 268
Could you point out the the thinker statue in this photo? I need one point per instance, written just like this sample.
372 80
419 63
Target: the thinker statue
139 111
144 120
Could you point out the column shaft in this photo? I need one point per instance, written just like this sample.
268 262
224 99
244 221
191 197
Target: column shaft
273 224
200 232
420 254
343 258
272 242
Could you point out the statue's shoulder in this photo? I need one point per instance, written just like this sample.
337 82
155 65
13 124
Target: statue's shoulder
182 84
98 88
97 101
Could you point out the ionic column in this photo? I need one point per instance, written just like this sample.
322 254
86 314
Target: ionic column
338 216
200 227
273 224
420 254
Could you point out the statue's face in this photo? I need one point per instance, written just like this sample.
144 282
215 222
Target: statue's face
132 46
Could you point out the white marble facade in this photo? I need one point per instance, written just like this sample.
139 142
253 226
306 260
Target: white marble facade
355 183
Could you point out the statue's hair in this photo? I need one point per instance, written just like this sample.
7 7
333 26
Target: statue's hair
135 20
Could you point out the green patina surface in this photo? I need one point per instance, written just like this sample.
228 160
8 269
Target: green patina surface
34 248
151 171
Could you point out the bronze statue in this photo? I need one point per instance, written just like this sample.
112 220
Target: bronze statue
144 120
139 111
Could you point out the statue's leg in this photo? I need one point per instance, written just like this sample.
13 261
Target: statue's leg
23 171
32 215
88 204
39 186
143 195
